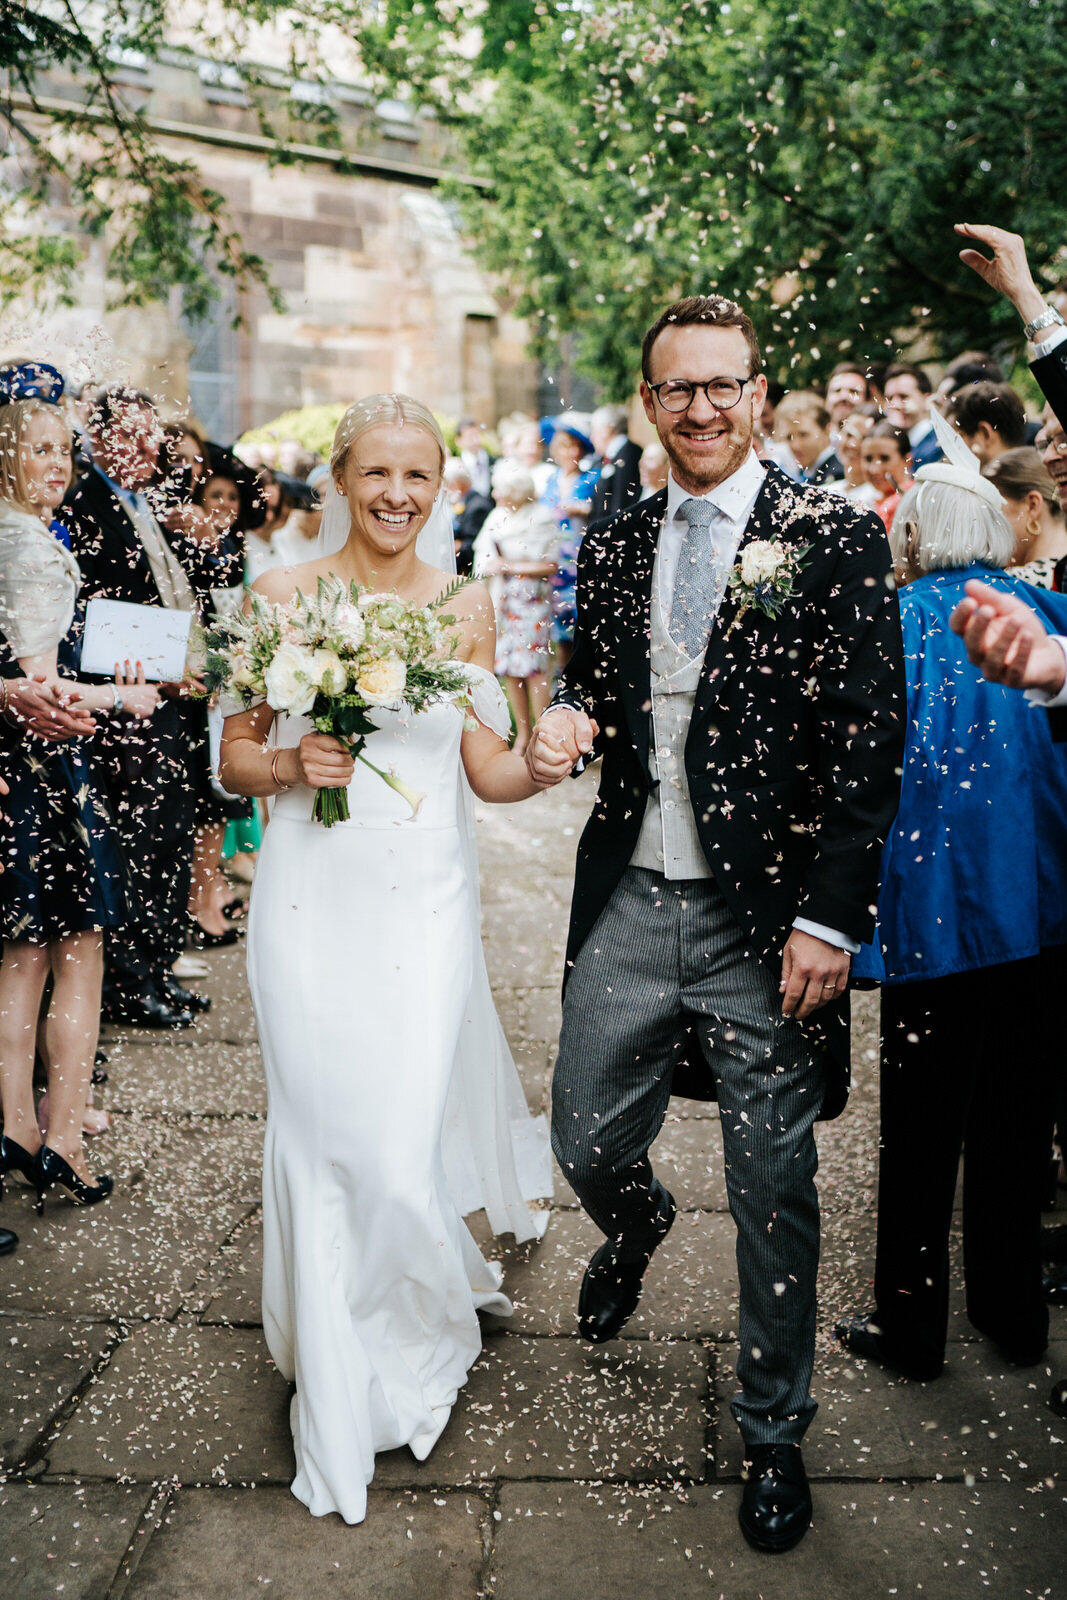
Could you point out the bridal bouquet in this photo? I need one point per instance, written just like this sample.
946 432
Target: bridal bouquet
334 657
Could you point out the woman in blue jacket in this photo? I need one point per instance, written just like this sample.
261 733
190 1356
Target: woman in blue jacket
971 951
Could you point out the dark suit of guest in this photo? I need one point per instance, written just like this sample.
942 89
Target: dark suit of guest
1051 373
619 484
791 757
153 772
468 525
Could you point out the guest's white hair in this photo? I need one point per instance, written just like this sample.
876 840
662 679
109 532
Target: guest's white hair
616 418
511 478
940 526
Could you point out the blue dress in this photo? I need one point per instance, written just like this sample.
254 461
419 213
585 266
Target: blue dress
571 530
63 872
974 865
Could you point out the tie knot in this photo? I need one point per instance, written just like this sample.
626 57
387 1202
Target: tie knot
698 513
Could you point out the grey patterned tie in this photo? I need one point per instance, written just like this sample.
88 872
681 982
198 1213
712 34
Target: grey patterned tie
697 586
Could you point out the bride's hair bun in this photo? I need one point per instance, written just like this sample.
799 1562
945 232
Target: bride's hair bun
382 410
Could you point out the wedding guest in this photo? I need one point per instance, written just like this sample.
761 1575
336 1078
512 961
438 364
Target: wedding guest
990 416
469 510
618 464
1033 508
908 397
64 883
471 449
978 763
854 483
654 468
124 554
846 390
516 549
808 437
530 453
569 496
886 457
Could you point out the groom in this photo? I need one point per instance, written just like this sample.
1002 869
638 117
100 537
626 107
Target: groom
738 666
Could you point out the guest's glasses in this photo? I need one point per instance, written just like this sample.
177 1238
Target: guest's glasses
678 394
1053 441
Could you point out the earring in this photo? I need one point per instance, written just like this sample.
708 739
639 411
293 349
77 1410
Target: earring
341 492
1033 528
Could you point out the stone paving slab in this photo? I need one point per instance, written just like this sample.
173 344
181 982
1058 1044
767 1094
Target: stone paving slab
184 1076
982 1418
65 1539
205 1405
570 1542
137 1253
524 940
551 1408
236 1546
43 1361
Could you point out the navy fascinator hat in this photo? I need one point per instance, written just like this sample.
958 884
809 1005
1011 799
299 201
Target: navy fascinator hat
31 380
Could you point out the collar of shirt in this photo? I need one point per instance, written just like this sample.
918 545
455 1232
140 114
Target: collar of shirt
918 433
616 446
129 496
733 498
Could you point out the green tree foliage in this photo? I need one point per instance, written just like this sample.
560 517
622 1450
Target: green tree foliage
806 156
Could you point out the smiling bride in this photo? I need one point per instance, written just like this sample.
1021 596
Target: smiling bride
394 1108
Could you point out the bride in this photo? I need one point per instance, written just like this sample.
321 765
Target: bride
394 1107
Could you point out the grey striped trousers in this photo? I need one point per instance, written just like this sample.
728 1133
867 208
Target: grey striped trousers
664 956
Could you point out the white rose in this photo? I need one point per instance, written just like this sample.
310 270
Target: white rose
760 561
290 681
382 682
328 672
349 623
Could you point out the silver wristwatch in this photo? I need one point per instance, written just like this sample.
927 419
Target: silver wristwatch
116 700
1049 316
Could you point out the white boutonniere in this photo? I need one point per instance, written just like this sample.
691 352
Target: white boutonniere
766 577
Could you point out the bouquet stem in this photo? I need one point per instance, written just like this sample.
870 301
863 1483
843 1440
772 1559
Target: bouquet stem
331 805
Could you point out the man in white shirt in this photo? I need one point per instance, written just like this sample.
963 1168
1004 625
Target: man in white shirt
908 397
738 666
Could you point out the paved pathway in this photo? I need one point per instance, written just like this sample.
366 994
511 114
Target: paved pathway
144 1434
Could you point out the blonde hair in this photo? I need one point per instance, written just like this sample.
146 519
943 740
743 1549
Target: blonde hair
13 420
378 411
1016 472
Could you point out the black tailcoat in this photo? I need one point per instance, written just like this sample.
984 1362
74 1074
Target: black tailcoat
795 747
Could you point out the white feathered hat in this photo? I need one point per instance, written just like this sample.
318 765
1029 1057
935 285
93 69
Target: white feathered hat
961 467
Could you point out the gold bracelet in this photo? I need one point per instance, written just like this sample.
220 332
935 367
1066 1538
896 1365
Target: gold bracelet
5 697
274 773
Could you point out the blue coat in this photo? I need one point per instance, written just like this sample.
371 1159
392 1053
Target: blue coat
974 868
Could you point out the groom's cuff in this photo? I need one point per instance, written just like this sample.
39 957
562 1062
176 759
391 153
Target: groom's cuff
827 935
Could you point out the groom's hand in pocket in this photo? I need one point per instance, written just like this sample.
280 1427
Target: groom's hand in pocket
813 974
325 763
560 737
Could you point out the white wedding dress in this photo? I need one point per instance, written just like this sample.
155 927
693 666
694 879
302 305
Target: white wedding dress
393 1106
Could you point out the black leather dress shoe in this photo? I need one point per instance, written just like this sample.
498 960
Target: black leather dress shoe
184 999
8 1241
611 1288
144 1008
861 1336
775 1511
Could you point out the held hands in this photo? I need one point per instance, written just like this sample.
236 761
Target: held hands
1008 640
323 762
560 737
813 974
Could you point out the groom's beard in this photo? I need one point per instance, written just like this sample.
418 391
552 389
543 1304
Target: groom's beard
698 471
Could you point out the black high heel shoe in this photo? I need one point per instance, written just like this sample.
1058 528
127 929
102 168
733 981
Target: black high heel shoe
51 1169
13 1158
201 939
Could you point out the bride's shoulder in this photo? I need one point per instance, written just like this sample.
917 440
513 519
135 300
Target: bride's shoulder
279 584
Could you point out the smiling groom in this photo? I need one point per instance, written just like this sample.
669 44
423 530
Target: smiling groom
737 664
